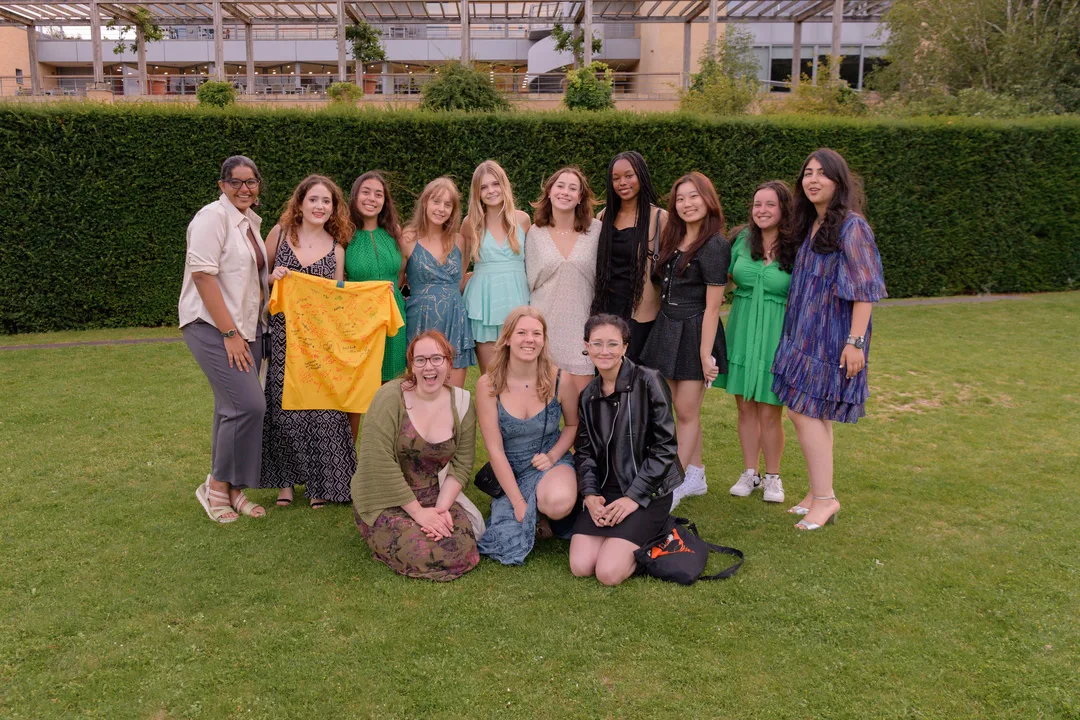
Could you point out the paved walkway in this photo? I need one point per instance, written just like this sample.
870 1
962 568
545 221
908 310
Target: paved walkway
956 300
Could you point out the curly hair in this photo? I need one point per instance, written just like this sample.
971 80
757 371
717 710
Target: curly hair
675 231
787 242
545 369
408 381
583 213
848 198
338 224
388 217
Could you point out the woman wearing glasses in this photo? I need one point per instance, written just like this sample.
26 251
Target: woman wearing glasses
627 457
414 427
222 313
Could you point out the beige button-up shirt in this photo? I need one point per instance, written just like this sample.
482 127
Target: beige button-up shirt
217 244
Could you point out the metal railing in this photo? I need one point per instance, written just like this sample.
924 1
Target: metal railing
627 85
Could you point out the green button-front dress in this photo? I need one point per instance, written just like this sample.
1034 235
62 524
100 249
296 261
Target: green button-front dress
754 324
375 256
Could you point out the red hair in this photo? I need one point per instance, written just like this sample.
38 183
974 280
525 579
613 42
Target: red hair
444 347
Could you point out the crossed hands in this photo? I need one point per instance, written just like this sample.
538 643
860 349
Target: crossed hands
436 524
604 515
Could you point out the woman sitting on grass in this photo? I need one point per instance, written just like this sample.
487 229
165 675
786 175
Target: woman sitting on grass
627 457
519 403
414 426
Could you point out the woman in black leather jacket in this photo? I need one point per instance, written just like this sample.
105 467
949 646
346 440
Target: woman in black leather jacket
626 457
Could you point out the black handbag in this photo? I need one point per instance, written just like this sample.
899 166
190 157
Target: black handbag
679 554
485 480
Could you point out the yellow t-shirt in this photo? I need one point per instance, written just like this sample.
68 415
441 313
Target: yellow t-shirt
335 337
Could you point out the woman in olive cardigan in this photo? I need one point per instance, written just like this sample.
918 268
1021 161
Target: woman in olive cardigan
405 507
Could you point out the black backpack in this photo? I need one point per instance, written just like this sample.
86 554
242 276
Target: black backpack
679 554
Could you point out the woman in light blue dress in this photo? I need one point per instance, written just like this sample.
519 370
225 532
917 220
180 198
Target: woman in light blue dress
433 270
519 403
494 233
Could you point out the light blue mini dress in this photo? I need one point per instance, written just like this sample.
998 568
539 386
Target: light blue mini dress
434 302
498 285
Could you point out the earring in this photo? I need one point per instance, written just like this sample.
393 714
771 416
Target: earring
584 352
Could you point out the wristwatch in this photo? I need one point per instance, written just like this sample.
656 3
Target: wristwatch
859 341
231 333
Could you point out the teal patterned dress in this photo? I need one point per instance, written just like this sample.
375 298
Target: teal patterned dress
435 303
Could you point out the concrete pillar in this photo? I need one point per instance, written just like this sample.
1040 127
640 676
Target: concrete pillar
35 75
249 54
466 31
95 42
686 55
299 77
796 56
219 43
342 69
387 81
587 35
140 40
712 26
837 24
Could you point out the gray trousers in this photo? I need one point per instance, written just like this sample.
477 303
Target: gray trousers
239 406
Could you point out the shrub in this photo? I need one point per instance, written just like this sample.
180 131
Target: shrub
457 87
216 93
345 92
590 88
970 102
957 206
830 96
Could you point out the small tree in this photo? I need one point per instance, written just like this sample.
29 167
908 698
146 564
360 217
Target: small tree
143 22
828 97
590 88
216 94
457 87
366 44
573 41
727 82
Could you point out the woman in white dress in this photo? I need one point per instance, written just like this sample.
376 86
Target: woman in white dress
560 260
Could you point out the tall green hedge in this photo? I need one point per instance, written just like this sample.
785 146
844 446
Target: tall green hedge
94 201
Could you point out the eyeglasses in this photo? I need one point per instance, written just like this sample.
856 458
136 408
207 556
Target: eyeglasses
436 361
250 184
610 346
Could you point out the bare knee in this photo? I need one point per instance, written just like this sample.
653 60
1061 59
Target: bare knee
556 497
581 565
612 574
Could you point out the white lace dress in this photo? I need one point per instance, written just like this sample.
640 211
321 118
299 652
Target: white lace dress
562 289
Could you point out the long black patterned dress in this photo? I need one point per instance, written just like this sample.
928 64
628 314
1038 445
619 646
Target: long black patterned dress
303 447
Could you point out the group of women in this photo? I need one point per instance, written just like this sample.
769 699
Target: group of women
596 338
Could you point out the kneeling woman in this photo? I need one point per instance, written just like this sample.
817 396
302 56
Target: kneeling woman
414 427
626 457
519 403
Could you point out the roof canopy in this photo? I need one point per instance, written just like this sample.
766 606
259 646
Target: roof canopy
281 12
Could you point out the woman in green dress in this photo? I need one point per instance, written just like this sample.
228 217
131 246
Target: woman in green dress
375 254
762 256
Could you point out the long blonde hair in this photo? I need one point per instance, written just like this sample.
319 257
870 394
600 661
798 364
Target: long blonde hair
545 368
418 225
478 211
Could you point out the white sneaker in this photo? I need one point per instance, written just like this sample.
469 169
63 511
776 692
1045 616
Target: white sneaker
774 489
694 484
747 483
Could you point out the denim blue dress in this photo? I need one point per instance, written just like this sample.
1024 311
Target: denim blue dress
506 539
435 303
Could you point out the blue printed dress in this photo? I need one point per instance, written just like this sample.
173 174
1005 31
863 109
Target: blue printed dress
498 285
435 303
506 539
807 376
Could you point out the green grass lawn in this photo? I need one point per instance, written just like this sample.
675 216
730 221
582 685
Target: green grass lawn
947 589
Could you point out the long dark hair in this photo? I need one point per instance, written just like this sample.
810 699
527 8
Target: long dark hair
388 217
848 198
787 241
646 198
676 228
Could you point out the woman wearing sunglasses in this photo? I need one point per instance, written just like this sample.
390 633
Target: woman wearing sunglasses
414 427
223 317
